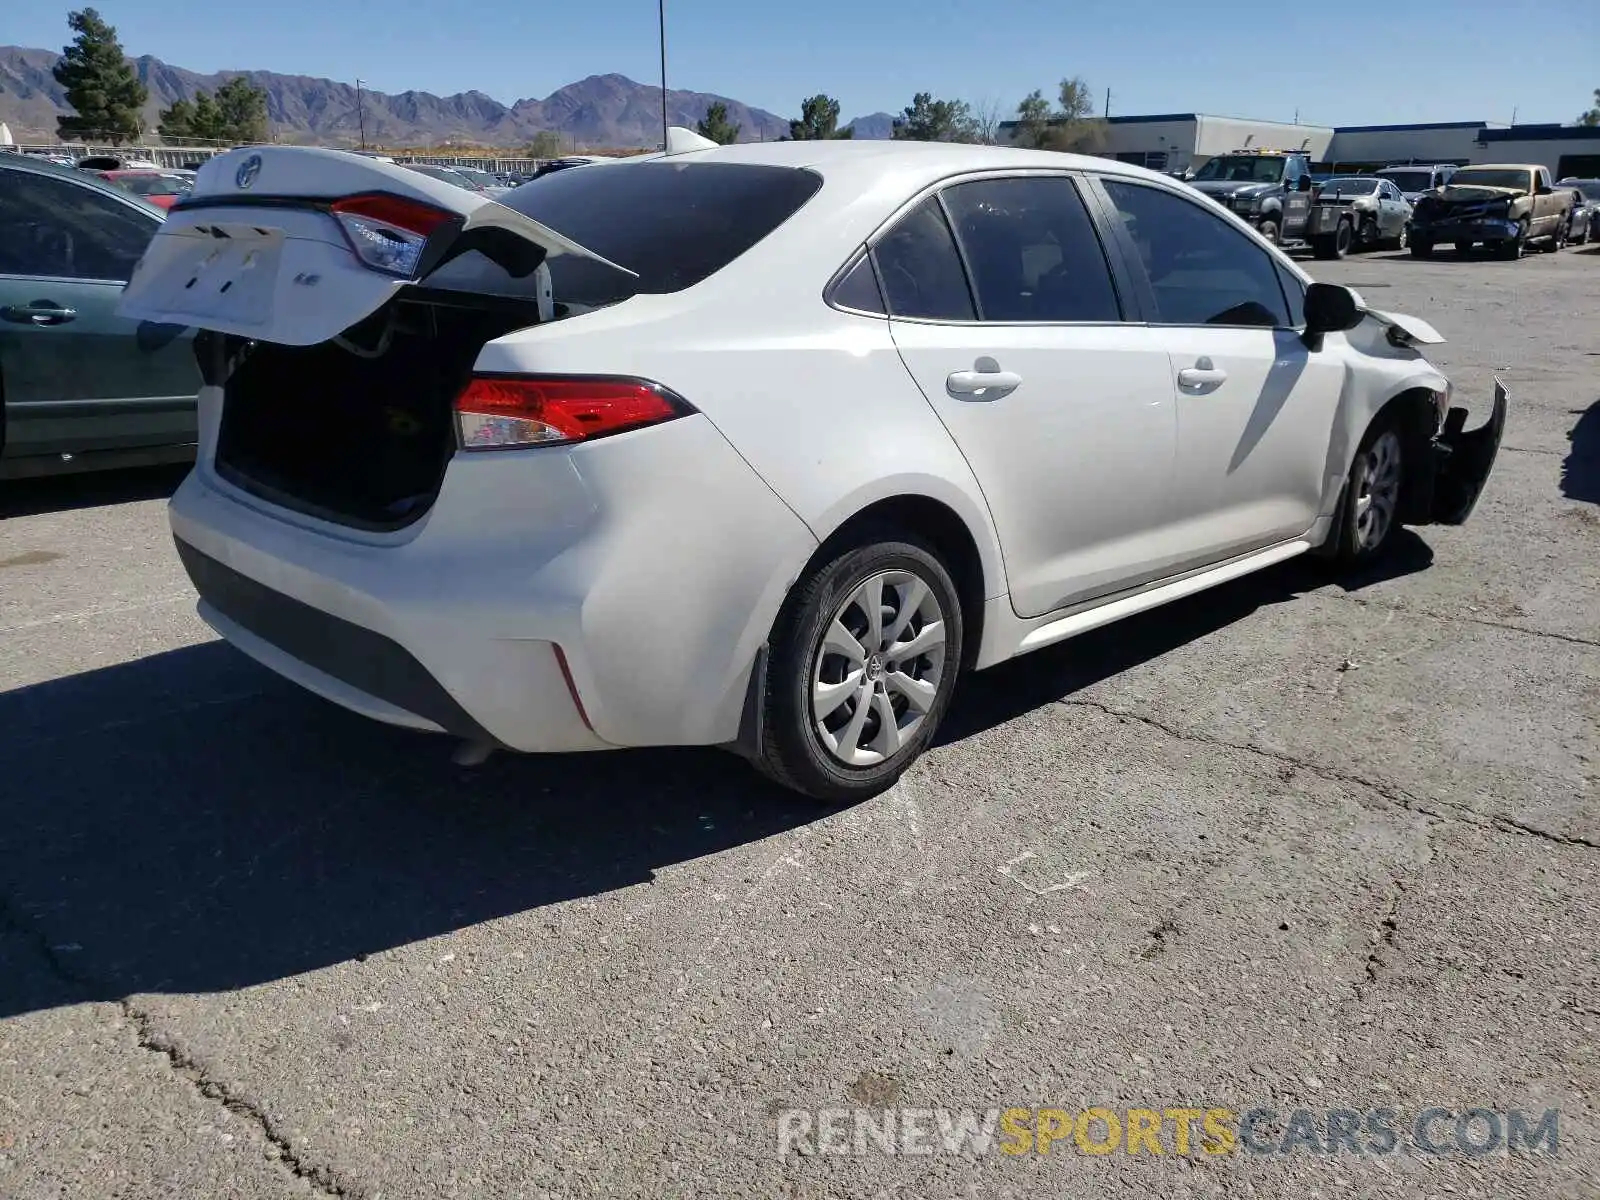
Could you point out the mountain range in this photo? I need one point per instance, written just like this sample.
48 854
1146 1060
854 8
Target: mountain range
602 111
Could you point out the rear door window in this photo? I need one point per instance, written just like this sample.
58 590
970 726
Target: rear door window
1032 250
921 267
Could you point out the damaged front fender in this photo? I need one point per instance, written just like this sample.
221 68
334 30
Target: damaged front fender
1462 460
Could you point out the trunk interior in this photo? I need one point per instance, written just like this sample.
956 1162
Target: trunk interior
360 429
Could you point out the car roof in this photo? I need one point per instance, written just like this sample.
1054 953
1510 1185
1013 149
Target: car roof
1502 167
912 164
79 178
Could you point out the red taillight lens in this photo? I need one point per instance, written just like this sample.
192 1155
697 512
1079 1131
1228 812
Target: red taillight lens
397 211
497 412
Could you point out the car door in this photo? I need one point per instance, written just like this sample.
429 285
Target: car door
1392 210
1016 335
1296 199
77 376
1255 407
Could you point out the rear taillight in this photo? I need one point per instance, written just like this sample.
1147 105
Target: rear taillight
499 411
386 232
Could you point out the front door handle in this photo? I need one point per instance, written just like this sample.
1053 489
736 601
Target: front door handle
1202 374
986 381
40 312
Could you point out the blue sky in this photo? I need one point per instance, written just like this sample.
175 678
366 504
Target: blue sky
1433 60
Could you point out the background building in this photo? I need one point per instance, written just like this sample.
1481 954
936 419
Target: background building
1179 141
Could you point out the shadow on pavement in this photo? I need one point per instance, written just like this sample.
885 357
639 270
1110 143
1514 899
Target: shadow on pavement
90 489
189 822
1005 692
1580 471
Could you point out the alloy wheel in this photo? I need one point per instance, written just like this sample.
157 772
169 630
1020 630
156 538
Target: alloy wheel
878 669
1378 491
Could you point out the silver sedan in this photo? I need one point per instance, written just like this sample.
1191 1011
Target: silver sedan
1382 214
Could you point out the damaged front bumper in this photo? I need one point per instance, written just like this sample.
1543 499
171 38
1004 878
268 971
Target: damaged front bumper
1461 460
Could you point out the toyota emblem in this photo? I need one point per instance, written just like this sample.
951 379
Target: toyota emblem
248 170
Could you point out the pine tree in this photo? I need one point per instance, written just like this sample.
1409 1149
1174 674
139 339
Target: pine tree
100 84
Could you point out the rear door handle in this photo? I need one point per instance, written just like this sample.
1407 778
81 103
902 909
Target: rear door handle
40 312
1202 374
982 385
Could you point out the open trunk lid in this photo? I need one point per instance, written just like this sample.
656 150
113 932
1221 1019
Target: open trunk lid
296 244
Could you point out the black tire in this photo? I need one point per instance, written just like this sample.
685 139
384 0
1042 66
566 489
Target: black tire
1335 245
1583 239
1402 239
1269 230
1354 541
1511 249
1463 248
1421 249
793 752
1558 239
1367 235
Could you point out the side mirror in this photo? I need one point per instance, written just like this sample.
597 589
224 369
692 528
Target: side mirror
1544 189
1330 309
1305 184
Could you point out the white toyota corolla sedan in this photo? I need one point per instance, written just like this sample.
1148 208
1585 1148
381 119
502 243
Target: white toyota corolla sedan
759 446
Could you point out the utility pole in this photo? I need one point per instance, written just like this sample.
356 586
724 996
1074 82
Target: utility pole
661 13
1108 103
361 120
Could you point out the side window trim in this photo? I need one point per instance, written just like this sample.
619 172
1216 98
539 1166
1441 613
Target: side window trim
961 254
1131 253
830 293
1124 282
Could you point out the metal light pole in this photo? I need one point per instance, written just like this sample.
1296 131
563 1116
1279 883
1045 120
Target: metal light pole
361 120
661 12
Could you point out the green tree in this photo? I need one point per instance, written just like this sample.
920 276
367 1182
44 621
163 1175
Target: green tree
1592 117
547 143
241 111
237 113
1071 125
1033 121
716 126
101 86
177 120
930 120
819 121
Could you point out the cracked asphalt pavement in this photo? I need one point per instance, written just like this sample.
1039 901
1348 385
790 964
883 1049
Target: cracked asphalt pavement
1289 844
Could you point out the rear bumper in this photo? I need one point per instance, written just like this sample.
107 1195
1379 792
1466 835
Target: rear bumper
553 600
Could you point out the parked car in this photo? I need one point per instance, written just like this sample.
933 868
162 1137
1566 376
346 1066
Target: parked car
1585 222
564 164
486 183
1381 212
1414 179
446 175
82 386
759 446
1505 207
117 162
161 188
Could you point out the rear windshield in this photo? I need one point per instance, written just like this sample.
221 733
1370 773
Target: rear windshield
674 223
1410 181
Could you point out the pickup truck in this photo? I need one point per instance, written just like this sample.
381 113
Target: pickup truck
1502 206
1274 191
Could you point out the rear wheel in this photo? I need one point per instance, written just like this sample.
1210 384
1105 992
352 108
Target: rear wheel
1558 239
1269 230
1367 235
864 660
1401 239
1369 509
1337 244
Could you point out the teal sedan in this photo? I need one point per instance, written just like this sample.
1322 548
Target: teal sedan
82 387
